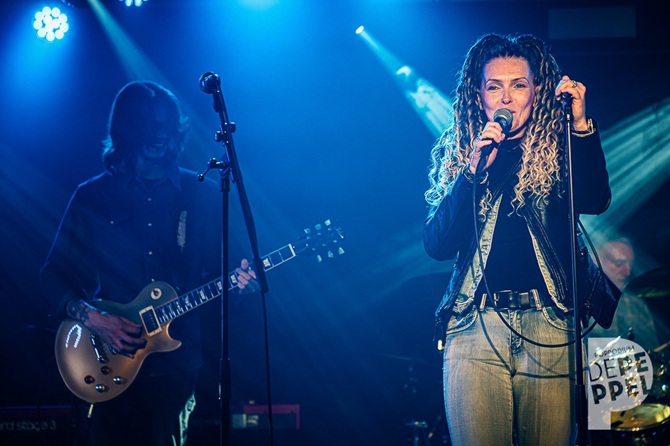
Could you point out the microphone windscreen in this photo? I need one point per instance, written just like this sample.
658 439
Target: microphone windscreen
503 117
209 82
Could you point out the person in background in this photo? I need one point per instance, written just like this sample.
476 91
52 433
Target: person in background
633 319
498 212
617 257
143 219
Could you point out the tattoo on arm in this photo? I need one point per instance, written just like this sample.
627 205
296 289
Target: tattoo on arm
76 309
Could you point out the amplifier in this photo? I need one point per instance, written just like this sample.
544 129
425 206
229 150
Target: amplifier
36 425
255 416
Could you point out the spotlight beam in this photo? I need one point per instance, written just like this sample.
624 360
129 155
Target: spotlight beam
432 106
629 146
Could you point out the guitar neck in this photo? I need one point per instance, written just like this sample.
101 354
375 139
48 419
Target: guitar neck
213 290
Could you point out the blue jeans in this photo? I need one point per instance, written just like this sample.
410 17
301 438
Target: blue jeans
502 390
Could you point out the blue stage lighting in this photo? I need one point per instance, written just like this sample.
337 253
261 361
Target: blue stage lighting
134 2
50 23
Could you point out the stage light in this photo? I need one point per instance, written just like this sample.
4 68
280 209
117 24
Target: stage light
360 29
134 2
50 23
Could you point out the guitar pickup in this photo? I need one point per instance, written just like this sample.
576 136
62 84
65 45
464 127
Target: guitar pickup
99 351
150 321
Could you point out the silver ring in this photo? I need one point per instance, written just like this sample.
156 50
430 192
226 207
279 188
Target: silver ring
574 84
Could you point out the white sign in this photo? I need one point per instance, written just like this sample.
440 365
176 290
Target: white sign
620 377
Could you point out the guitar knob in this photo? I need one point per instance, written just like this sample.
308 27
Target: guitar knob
89 379
120 380
105 370
101 388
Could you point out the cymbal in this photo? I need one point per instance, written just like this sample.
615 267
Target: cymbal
650 285
639 417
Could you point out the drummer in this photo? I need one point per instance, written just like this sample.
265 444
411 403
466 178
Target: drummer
633 319
617 257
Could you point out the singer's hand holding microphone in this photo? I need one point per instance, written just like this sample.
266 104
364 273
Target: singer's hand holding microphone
486 144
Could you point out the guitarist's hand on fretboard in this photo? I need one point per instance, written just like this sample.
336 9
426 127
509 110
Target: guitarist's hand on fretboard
246 278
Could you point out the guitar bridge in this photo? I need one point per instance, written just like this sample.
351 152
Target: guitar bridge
150 321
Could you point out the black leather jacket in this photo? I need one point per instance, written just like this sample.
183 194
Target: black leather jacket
449 232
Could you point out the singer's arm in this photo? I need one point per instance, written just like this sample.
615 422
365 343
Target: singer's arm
449 227
590 178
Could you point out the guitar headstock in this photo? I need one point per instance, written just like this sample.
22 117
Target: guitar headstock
322 240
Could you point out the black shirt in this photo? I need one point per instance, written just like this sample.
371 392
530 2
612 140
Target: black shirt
512 264
120 233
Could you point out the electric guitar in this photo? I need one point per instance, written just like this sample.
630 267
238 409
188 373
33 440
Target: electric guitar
94 372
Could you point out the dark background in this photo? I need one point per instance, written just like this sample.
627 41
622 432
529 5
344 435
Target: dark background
323 132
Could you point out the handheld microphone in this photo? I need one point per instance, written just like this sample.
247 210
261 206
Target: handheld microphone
210 82
503 117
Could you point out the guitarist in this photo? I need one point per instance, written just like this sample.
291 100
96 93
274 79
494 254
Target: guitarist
143 219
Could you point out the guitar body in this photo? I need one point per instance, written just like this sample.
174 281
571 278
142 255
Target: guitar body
95 373
88 366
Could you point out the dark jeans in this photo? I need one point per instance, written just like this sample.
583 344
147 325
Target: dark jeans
154 411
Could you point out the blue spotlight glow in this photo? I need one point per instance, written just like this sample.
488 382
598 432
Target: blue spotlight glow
51 23
428 102
134 2
259 5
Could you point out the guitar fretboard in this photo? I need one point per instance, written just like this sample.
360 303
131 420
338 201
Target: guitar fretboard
212 290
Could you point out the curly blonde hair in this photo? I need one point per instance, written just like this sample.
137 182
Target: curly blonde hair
541 142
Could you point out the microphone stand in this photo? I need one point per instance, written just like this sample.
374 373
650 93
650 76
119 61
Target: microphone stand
580 389
210 83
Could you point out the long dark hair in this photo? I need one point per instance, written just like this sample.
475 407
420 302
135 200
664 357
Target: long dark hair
130 122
